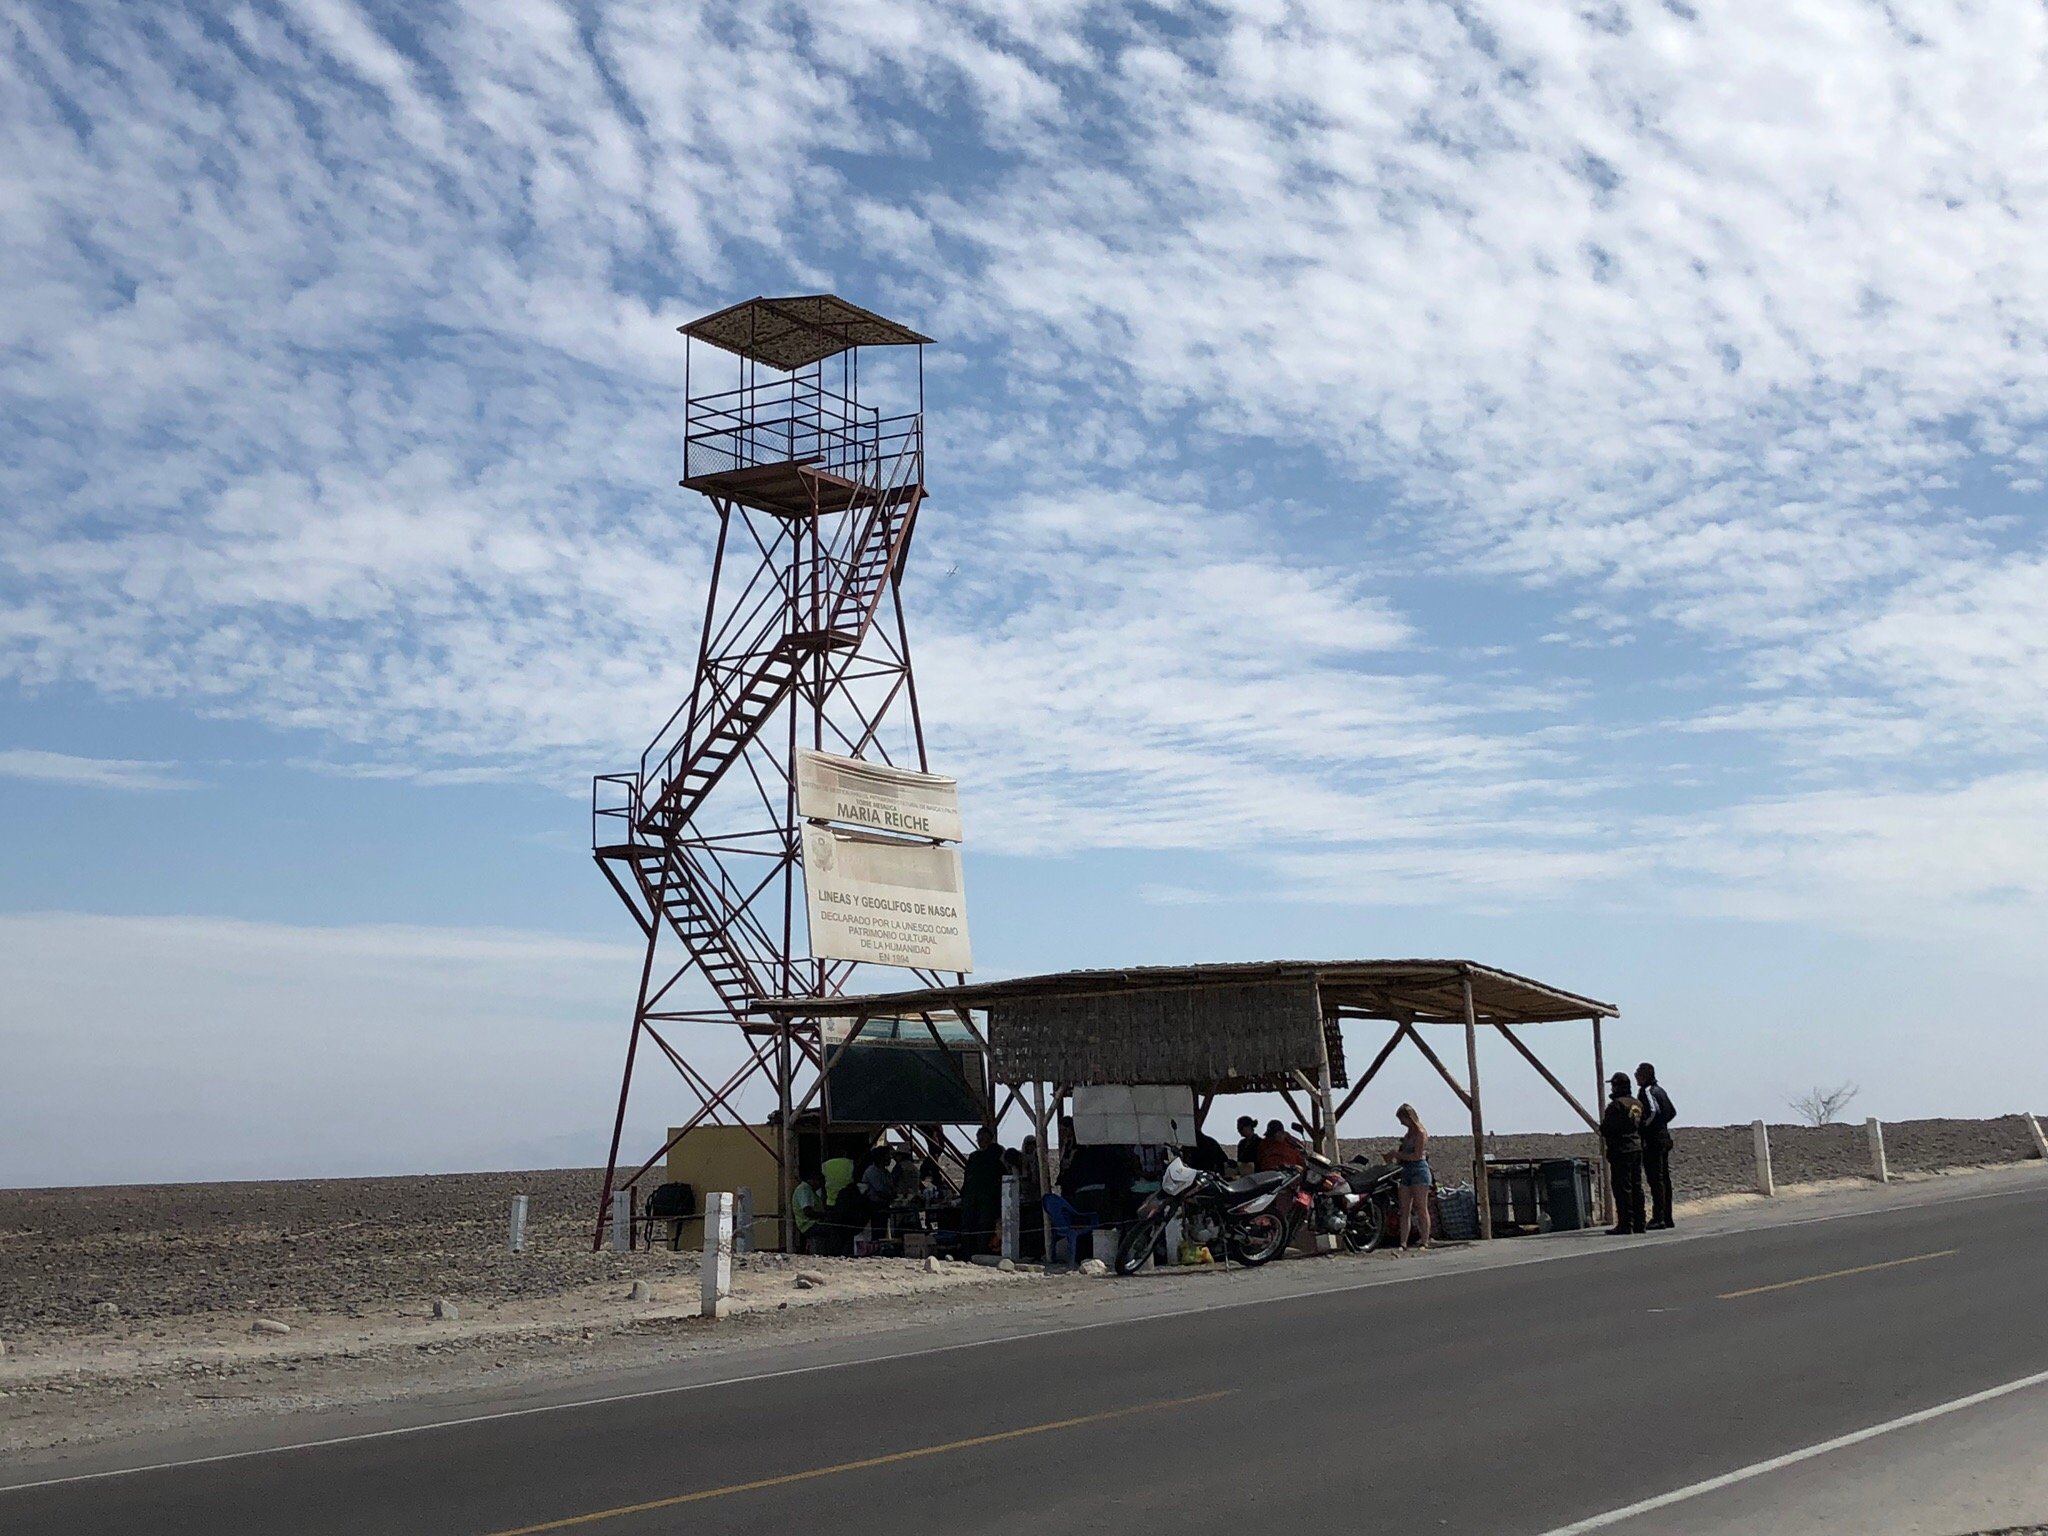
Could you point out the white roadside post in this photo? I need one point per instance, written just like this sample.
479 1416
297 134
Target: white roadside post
516 1239
716 1272
1013 1217
1878 1169
743 1219
2040 1138
1762 1136
622 1221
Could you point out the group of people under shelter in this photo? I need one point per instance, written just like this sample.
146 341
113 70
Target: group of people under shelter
890 1189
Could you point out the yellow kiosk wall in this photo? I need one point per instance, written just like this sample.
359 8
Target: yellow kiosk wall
727 1157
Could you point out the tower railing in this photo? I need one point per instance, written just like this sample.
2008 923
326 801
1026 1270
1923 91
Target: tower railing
791 420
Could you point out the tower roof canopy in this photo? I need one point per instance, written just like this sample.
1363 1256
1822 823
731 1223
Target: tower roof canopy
797 331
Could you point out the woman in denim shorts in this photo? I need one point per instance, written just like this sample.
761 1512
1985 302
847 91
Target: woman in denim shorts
1413 1156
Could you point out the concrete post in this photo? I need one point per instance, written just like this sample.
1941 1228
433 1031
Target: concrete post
1878 1170
715 1275
622 1221
1013 1218
743 1219
2040 1138
1762 1136
516 1240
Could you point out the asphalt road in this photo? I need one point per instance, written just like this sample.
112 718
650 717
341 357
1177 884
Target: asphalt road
1524 1399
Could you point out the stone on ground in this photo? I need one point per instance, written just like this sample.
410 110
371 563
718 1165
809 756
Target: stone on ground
269 1325
641 1291
445 1309
1094 1267
932 1266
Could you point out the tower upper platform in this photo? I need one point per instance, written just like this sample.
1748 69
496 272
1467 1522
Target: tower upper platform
795 332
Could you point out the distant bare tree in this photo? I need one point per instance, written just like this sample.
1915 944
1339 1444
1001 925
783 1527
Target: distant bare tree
1821 1106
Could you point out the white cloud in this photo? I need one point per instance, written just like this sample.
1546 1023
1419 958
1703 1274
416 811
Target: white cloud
354 410
40 767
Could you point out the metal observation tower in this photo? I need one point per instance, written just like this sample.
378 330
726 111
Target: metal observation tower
803 646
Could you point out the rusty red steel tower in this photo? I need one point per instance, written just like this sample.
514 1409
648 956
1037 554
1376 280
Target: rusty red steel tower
804 645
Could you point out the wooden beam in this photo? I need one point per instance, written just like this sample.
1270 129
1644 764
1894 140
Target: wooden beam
1372 1071
1547 1075
1478 1115
817 1089
1437 1061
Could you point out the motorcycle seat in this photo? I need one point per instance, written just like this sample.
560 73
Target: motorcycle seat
1256 1183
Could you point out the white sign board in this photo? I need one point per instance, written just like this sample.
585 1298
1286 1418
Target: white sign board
886 901
1142 1115
874 795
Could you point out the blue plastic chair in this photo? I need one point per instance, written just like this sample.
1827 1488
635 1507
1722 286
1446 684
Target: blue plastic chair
1069 1225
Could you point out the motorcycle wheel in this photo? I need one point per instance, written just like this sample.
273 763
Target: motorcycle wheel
1258 1238
1135 1246
1367 1228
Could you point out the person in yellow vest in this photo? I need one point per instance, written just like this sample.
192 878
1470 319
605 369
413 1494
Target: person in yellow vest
804 1204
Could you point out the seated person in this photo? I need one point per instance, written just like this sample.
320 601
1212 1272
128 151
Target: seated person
1277 1149
1247 1143
804 1205
1098 1179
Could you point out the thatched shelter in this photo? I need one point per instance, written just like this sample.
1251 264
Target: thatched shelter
1232 1028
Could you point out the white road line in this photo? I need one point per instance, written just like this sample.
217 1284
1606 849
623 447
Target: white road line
1791 1458
1420 1272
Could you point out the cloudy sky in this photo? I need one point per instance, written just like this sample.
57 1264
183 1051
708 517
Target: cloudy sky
1562 485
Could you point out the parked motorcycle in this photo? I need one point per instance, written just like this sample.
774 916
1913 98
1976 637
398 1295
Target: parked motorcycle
1372 1186
1250 1216
1352 1200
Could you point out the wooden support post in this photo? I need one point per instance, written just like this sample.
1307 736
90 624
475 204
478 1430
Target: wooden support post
1325 1098
1044 1170
1548 1076
1442 1071
1600 1098
1479 1188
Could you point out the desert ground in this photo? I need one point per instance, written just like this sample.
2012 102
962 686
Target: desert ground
144 1306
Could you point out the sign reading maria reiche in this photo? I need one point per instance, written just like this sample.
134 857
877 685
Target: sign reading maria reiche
885 901
844 789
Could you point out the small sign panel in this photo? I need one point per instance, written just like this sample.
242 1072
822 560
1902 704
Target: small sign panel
885 901
877 796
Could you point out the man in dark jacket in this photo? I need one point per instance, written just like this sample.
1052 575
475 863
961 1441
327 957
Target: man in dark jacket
1658 1113
1247 1143
1621 1134
981 1194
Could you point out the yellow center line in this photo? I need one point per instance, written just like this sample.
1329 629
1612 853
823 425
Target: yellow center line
1836 1274
858 1466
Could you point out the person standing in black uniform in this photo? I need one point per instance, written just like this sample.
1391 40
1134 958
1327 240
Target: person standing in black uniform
1621 1133
1658 1113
